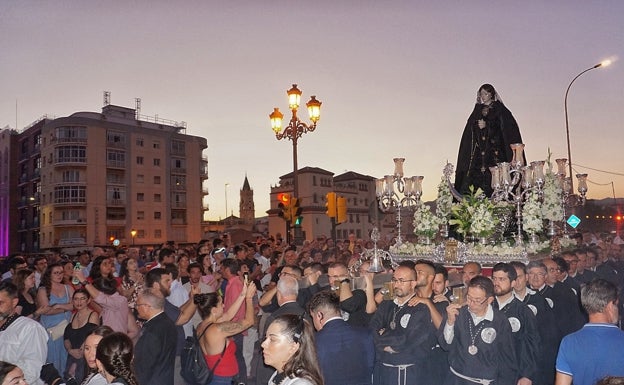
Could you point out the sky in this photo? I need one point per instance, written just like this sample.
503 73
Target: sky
396 79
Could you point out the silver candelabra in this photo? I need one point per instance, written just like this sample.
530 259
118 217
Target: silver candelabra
389 187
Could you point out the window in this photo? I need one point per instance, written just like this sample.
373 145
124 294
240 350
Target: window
115 195
156 145
115 176
157 198
115 213
115 139
139 142
115 158
140 178
70 194
71 154
157 162
157 179
157 215
71 134
70 176
140 197
140 215
177 147
158 233
178 182
139 160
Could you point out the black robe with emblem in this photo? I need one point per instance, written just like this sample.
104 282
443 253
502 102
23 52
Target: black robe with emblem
526 336
495 360
549 337
412 340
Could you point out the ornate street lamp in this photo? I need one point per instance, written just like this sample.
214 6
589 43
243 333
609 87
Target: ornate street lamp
133 234
296 128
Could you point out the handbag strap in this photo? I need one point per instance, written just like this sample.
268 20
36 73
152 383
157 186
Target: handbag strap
222 353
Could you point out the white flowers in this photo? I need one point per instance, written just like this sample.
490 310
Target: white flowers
551 206
426 224
444 202
483 220
532 221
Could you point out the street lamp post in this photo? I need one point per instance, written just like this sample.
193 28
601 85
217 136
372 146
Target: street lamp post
565 104
133 234
295 129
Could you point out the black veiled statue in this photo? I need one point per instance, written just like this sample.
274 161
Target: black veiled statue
489 131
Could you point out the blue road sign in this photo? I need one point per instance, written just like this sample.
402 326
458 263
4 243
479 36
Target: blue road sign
574 221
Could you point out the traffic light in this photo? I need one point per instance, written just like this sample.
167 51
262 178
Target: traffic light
341 210
295 211
331 204
284 202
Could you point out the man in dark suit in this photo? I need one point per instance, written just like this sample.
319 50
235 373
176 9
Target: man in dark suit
155 351
346 353
287 290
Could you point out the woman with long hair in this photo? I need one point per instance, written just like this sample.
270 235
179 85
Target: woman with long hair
102 266
68 270
93 376
216 328
54 305
131 281
83 322
114 359
289 348
25 282
10 374
183 262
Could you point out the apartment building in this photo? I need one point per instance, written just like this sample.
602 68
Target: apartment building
92 178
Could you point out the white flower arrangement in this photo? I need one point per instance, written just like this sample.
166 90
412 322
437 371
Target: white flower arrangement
408 248
483 220
426 224
532 221
444 202
551 205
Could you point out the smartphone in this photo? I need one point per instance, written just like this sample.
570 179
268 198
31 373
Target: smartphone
246 278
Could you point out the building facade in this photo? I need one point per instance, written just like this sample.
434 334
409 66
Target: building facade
314 184
91 178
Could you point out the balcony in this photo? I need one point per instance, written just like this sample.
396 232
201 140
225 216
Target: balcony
71 222
76 241
65 140
115 202
73 160
116 163
116 144
178 205
178 170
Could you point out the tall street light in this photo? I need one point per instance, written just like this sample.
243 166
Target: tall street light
133 234
295 127
603 63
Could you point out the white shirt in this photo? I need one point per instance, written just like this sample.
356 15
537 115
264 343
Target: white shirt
25 344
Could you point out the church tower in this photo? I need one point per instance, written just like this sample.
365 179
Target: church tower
247 210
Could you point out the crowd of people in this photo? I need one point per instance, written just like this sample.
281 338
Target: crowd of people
269 313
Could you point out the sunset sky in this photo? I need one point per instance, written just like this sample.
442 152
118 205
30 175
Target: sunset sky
396 78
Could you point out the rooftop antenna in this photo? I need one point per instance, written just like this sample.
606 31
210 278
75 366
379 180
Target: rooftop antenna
107 97
137 108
